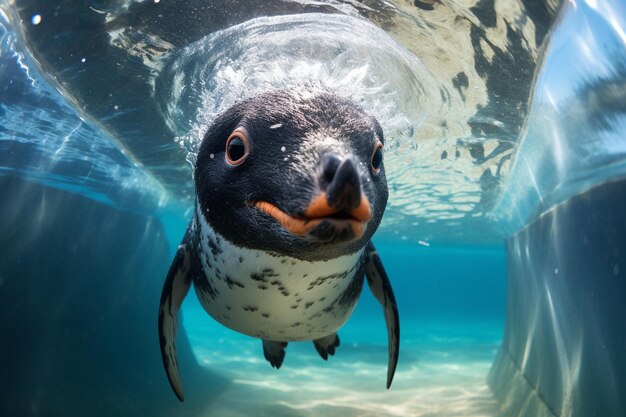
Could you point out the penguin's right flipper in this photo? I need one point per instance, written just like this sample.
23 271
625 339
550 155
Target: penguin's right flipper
174 291
381 288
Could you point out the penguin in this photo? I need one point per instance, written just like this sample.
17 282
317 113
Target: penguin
290 187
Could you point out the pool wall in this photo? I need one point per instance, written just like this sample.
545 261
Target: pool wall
80 284
564 347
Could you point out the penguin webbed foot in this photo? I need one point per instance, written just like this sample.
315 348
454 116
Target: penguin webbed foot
274 352
325 346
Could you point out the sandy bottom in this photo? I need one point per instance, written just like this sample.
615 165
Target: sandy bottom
441 372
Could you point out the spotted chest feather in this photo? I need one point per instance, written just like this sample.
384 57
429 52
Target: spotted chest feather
270 296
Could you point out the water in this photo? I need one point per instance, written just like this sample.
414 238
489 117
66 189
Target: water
496 114
448 345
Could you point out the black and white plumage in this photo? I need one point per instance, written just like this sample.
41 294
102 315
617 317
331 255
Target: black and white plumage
290 188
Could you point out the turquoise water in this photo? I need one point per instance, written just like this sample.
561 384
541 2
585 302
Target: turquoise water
503 120
451 302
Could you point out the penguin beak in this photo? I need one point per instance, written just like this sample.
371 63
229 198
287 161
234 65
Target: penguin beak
321 221
339 213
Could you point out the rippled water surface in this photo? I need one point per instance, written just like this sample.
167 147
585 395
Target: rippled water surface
155 74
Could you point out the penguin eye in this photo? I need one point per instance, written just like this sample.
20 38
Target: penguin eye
237 147
377 158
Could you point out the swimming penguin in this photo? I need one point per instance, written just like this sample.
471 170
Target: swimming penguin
290 188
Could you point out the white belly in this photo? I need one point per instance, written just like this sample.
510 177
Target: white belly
275 298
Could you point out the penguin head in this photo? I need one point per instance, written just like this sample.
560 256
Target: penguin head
296 172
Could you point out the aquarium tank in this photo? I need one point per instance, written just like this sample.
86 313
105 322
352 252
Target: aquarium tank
504 234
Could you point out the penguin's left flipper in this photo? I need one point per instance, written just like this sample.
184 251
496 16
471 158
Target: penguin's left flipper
175 289
381 288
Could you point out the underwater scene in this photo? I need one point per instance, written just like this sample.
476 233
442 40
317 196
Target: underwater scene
313 208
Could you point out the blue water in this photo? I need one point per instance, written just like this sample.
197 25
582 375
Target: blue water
495 116
452 309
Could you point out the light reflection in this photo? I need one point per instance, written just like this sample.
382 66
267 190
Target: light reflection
567 145
442 373
564 334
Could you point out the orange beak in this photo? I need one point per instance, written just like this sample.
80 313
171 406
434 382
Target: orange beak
320 211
